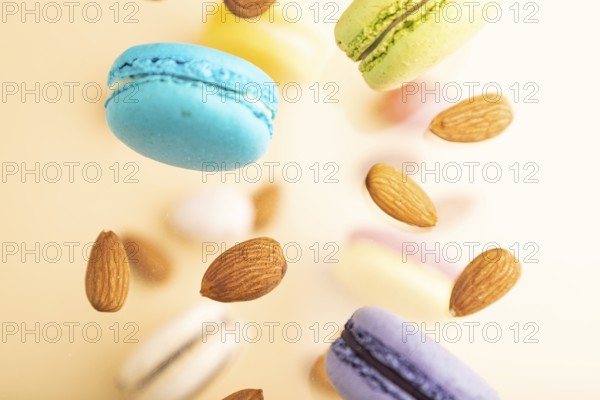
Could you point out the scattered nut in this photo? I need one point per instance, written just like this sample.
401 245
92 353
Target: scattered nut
107 274
246 271
146 259
473 120
400 197
485 280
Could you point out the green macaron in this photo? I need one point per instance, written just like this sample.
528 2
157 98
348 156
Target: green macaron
397 40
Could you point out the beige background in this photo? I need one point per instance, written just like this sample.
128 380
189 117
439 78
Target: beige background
559 213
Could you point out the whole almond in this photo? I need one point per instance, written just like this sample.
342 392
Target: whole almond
400 197
107 274
473 120
248 8
266 202
246 394
246 271
485 280
146 259
319 377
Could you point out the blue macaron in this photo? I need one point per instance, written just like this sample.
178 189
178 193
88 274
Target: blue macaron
381 357
191 106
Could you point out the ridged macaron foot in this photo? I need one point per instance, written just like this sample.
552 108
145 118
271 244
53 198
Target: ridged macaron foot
395 41
191 106
379 356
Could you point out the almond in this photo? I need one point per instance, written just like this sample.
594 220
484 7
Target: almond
400 197
485 280
248 8
146 259
319 377
246 394
473 120
266 202
246 271
107 275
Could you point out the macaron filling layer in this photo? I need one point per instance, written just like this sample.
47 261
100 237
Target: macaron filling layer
205 71
260 97
146 380
390 24
127 89
384 369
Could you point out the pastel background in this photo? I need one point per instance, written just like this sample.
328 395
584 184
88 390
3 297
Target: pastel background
554 58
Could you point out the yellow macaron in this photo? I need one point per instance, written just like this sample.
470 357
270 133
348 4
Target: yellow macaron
288 50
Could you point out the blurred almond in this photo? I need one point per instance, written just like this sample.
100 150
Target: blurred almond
246 271
248 9
266 202
246 394
400 197
107 274
146 259
485 280
319 377
473 120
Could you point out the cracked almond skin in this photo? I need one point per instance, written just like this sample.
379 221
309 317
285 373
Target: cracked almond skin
400 197
246 271
146 259
246 394
248 8
107 274
473 120
266 202
486 279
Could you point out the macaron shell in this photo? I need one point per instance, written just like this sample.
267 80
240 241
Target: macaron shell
362 15
214 214
424 353
149 354
380 276
177 123
410 53
287 51
193 62
347 382
189 373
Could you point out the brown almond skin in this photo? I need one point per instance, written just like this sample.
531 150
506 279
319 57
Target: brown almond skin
246 271
484 281
146 259
400 197
246 394
248 8
473 120
107 274
319 377
266 202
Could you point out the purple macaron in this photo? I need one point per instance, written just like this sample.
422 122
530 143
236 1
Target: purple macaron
381 357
